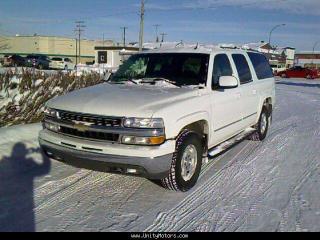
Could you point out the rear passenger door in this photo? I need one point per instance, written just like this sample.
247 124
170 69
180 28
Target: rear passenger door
249 96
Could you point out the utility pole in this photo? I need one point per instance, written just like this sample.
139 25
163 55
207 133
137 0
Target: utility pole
79 29
76 51
124 35
163 34
141 26
157 36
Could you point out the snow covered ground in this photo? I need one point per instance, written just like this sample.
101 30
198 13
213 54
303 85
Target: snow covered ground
269 186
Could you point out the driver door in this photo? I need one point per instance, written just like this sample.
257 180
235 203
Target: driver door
226 104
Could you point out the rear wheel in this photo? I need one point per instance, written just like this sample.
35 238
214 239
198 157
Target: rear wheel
262 126
186 163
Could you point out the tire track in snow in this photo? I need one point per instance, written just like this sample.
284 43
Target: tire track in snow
74 184
237 179
167 221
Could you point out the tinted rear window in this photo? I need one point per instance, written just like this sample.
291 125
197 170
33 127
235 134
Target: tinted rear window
261 65
242 68
56 59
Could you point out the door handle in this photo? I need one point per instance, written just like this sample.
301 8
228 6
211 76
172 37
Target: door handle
254 92
238 95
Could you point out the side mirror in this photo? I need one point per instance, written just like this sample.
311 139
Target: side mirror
228 82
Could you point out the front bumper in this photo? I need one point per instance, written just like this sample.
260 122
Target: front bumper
150 162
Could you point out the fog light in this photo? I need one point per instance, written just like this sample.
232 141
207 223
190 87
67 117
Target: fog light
128 140
132 171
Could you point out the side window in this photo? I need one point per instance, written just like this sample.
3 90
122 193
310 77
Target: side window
221 67
242 68
261 65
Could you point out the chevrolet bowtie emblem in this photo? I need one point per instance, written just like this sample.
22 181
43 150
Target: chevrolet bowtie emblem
82 126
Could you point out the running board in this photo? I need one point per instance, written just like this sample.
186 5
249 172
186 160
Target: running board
229 143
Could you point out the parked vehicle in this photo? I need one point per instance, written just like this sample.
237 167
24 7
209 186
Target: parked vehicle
163 113
62 63
38 61
14 61
298 72
276 68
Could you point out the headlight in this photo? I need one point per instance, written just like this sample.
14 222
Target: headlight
147 141
143 123
51 112
51 126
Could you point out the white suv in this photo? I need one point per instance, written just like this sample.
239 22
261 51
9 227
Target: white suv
61 63
162 113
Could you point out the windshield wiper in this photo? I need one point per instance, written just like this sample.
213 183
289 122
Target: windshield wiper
123 81
158 79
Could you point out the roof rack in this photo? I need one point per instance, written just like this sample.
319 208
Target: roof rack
228 46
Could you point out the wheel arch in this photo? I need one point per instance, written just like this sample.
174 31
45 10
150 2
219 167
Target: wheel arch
201 128
268 104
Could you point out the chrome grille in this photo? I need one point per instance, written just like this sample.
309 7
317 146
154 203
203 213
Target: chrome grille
90 134
91 119
95 123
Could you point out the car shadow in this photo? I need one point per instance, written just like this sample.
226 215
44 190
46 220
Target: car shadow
17 175
299 84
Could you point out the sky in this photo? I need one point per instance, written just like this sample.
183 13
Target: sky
203 21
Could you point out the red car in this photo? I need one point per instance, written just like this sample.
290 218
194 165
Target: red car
299 72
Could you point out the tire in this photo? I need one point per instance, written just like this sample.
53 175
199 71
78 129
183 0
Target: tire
262 126
66 68
187 143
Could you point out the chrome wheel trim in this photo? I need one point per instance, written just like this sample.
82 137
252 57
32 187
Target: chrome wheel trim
263 123
189 162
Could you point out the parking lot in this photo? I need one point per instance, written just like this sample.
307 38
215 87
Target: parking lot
268 186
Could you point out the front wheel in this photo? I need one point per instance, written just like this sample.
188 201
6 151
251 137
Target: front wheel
186 163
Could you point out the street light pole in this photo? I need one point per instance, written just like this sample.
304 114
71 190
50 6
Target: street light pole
274 28
314 48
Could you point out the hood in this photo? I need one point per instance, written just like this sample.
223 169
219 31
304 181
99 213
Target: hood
121 100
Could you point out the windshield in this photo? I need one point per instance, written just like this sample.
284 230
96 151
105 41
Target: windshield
181 69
